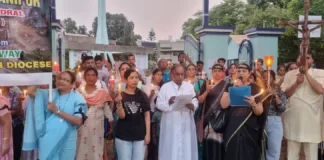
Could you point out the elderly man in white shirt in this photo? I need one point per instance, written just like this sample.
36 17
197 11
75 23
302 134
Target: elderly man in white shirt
178 139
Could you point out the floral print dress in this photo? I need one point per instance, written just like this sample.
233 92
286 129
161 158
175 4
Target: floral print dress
91 134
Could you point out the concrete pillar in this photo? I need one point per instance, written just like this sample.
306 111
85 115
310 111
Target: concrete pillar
214 41
102 33
265 43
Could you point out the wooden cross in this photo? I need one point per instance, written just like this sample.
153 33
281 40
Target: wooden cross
304 46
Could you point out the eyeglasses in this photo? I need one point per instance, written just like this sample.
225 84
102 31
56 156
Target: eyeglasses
178 74
63 79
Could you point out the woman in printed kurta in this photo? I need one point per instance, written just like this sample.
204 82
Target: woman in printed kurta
6 150
53 125
91 134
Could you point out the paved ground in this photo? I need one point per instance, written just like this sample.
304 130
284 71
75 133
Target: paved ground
282 157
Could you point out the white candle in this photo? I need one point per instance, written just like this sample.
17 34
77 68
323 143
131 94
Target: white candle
0 91
257 95
119 88
25 93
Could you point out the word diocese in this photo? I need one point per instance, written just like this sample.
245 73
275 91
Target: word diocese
28 3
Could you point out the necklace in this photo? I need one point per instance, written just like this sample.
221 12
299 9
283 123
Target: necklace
59 101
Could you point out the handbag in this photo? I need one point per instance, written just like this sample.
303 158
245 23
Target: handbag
219 116
200 120
219 120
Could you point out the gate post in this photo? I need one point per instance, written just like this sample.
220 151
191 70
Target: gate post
265 42
214 41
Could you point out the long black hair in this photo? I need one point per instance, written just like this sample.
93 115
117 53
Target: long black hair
155 71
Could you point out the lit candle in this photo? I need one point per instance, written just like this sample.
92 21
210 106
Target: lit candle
82 89
112 80
255 64
25 93
79 74
0 91
212 82
119 88
56 67
257 95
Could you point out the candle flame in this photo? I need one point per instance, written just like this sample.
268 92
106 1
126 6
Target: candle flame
25 92
261 91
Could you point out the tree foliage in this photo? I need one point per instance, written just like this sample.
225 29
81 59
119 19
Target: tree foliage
151 36
263 13
119 29
71 27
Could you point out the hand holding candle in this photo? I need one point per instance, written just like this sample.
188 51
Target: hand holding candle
257 95
119 88
25 93
112 80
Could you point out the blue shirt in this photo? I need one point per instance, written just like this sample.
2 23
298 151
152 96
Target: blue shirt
166 76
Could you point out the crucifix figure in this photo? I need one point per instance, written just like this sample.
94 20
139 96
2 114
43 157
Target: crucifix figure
304 46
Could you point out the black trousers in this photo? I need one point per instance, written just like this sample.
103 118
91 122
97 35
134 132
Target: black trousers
17 135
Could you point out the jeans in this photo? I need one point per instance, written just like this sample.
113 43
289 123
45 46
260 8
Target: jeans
130 150
275 133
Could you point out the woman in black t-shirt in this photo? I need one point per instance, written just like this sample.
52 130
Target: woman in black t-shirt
133 125
242 136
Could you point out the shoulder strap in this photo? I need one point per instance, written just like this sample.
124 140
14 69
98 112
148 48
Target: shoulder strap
214 105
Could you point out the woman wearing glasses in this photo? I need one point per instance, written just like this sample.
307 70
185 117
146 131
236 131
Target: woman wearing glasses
242 136
91 138
56 122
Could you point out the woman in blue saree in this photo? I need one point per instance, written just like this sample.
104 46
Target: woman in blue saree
52 126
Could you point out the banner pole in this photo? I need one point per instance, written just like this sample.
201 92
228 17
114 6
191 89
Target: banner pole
50 93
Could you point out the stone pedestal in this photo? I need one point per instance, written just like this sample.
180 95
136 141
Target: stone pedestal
214 41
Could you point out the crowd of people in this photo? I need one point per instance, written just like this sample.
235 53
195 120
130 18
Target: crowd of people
175 112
